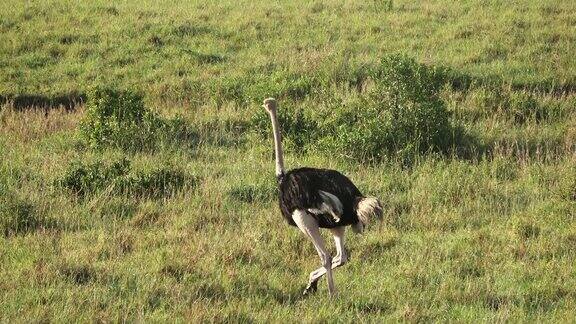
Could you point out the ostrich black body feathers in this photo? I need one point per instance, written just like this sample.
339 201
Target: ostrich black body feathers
299 189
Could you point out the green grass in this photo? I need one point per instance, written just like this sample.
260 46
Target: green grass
185 52
484 231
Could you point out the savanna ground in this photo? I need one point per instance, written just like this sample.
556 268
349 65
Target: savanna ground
183 224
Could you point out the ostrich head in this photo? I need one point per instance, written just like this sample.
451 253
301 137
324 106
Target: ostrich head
270 105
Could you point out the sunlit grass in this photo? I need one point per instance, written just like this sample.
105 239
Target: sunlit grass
482 232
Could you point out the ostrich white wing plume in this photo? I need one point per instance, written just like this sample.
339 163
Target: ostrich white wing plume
330 205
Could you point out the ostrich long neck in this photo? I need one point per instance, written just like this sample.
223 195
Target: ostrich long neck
277 144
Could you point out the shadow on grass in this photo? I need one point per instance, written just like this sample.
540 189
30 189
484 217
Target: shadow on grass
20 216
242 288
370 307
463 81
471 147
78 274
22 102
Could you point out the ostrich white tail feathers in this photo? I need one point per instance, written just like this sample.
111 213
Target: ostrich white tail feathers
367 209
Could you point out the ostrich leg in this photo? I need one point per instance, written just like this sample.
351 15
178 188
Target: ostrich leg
340 259
309 226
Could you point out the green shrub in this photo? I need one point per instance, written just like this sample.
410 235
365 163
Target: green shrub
119 119
401 114
83 179
406 97
116 118
86 178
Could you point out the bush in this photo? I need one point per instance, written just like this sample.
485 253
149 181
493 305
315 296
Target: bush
401 114
119 119
83 179
87 178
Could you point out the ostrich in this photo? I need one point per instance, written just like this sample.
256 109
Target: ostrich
320 198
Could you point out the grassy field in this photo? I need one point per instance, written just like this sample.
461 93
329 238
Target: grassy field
182 223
